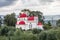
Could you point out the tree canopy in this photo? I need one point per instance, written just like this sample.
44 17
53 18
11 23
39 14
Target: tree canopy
58 23
10 19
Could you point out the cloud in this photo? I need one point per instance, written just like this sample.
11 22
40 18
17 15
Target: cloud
44 2
37 2
30 2
47 0
6 2
48 7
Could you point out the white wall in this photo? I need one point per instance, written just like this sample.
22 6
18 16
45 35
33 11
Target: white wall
40 27
24 27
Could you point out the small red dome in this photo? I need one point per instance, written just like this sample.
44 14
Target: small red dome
22 23
22 15
39 23
31 18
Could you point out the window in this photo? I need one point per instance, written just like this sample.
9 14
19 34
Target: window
30 26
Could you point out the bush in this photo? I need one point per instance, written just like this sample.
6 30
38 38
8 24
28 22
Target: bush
4 31
18 32
35 34
50 35
47 27
24 36
28 37
58 23
3 38
11 31
36 31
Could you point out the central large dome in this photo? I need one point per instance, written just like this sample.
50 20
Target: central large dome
21 23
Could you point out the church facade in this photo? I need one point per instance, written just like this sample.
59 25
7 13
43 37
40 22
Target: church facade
28 22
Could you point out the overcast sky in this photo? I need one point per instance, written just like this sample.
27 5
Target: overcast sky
48 7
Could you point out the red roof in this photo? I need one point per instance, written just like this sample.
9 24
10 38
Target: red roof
31 18
22 23
22 15
39 23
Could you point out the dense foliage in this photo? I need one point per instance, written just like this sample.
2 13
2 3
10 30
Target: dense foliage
36 31
53 34
10 19
0 20
49 23
47 27
11 33
58 23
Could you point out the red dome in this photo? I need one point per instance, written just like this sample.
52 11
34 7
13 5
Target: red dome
31 18
39 23
22 15
22 23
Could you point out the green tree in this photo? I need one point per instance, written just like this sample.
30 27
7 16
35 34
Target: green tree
49 35
0 20
4 31
36 31
49 23
58 23
10 19
47 27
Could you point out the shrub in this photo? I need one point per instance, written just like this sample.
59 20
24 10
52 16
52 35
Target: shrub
47 27
17 33
50 35
11 31
3 38
36 31
24 36
42 36
4 31
58 23
49 23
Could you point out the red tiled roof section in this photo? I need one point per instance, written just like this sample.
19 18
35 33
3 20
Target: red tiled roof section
31 18
21 23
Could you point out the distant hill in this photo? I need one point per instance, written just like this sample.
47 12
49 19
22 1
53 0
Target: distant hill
52 19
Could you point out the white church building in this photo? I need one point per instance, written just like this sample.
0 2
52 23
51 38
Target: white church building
28 22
